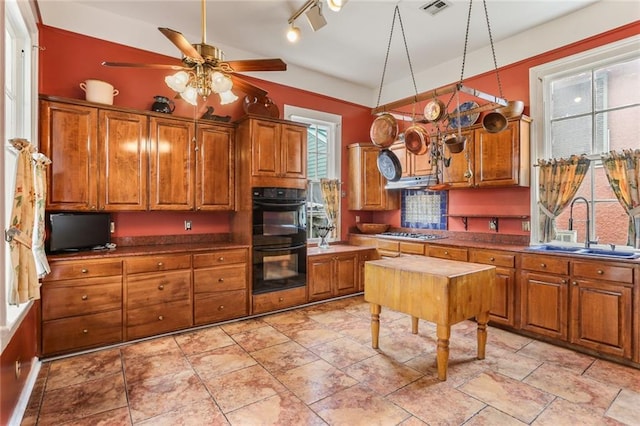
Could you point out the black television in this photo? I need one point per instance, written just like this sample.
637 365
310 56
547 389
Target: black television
78 231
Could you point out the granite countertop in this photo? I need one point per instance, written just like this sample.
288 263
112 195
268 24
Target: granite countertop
314 250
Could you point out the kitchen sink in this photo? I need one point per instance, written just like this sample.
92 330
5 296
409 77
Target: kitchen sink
596 252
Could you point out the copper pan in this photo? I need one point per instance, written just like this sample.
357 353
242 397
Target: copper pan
384 130
416 139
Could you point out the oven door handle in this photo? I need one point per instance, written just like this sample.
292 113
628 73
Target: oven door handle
267 204
267 249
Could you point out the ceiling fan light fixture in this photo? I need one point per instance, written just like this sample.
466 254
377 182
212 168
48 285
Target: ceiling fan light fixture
227 97
178 81
336 5
220 82
190 94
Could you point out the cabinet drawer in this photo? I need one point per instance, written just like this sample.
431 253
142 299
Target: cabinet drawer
70 334
492 258
79 297
223 278
275 300
599 271
222 257
84 269
412 248
220 306
136 265
150 289
157 319
451 253
388 245
551 264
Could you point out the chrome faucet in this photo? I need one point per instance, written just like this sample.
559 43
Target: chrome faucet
587 241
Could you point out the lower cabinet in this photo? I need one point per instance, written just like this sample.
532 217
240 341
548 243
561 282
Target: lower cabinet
504 299
331 275
220 285
363 256
158 295
282 299
81 305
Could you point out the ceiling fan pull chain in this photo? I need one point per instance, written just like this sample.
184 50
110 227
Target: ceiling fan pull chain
493 51
386 58
466 40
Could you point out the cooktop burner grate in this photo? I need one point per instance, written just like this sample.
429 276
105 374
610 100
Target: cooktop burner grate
414 235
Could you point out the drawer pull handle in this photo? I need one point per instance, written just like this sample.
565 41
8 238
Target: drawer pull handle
85 297
446 252
161 287
160 317
563 281
221 307
600 272
160 264
220 280
85 331
543 265
493 259
575 283
281 299
84 271
221 259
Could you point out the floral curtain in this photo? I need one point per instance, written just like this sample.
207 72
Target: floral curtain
24 282
40 193
623 173
558 183
331 197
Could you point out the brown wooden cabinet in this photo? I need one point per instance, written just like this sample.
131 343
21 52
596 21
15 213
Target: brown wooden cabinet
69 137
364 256
491 159
158 294
81 304
215 168
282 299
544 295
366 184
504 290
330 275
601 307
412 165
220 285
447 252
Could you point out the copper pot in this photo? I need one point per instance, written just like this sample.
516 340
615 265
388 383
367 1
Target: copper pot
384 130
455 144
416 140
494 122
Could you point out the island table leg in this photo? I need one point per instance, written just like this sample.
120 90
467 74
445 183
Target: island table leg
443 332
482 320
375 325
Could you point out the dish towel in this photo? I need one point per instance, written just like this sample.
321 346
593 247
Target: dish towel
40 191
24 280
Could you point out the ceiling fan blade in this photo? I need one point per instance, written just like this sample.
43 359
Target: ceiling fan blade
246 87
181 43
248 65
134 65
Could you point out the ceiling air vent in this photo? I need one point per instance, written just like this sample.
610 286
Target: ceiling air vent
435 6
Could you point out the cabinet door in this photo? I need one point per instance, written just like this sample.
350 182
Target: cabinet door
503 306
265 148
422 165
171 164
215 175
601 317
366 184
346 274
69 137
459 173
400 150
293 151
320 274
497 156
544 304
122 153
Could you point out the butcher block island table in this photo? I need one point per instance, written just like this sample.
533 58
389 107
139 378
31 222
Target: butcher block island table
442 291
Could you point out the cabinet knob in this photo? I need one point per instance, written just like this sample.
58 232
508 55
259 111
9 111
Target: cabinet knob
563 281
85 297
600 272
221 307
493 259
575 283
543 265
160 264
220 280
161 287
221 259
281 299
84 271
160 318
85 331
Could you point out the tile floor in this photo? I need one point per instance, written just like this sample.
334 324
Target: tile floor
315 366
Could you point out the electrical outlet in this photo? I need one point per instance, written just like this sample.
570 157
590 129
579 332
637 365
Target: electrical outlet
187 225
526 225
357 219
112 227
493 224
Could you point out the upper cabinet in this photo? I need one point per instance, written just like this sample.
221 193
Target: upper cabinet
413 165
278 151
111 159
366 183
491 159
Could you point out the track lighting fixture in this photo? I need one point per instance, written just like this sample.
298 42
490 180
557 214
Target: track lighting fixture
313 9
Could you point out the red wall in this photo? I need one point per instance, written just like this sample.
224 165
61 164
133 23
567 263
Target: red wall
70 58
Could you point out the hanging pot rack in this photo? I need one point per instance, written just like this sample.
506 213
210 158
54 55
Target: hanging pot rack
493 101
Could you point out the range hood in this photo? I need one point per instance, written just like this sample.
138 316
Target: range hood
412 182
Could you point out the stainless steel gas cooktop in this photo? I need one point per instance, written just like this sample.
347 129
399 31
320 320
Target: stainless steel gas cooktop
413 235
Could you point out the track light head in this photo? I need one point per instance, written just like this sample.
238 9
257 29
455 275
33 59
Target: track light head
293 34
315 17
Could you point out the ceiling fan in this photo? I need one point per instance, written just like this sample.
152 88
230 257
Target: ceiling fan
204 69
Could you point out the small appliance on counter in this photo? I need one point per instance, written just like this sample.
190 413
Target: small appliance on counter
163 104
69 232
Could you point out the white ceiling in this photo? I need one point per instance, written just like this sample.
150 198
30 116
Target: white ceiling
345 58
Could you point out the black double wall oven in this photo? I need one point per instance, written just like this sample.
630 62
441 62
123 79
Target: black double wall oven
279 239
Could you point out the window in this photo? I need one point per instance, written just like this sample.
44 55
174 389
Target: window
588 104
19 35
323 161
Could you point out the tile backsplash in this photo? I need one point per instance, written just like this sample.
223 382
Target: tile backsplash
424 209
